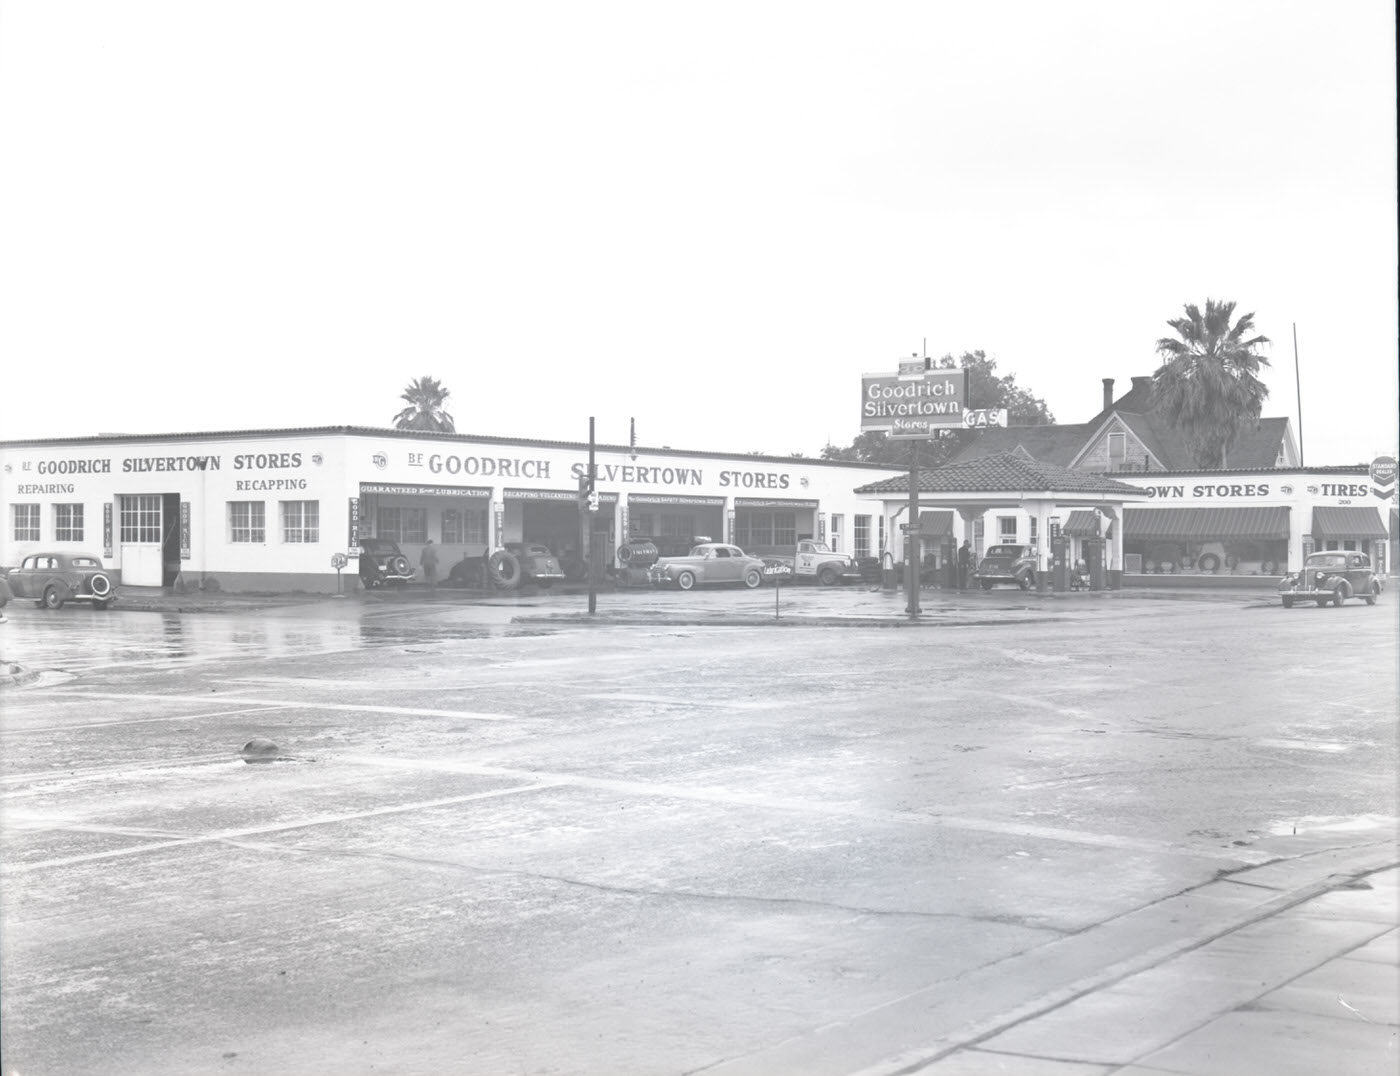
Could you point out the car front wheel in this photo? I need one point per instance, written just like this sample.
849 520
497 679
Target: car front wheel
827 577
53 599
1027 581
1288 601
686 580
1373 594
986 584
753 578
1341 594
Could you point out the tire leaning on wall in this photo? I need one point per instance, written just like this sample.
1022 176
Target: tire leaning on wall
503 568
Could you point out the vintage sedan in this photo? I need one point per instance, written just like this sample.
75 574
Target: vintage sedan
382 561
52 579
708 563
1332 577
537 564
1007 564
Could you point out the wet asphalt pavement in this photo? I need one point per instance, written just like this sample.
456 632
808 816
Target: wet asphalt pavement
697 833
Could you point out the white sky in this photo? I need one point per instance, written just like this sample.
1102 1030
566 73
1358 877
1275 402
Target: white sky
711 217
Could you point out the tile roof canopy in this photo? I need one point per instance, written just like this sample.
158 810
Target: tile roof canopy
1007 472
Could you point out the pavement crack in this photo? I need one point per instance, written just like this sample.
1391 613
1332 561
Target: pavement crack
699 895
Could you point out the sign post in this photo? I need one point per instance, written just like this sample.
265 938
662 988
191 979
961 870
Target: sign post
913 404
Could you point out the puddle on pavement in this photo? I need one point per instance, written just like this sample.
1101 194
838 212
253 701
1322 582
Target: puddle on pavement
1331 824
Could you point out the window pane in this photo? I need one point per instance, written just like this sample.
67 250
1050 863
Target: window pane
862 536
301 521
68 522
247 521
24 522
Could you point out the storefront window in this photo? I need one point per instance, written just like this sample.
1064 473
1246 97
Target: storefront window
246 521
301 521
838 524
862 536
755 529
68 522
1209 556
464 527
24 522
403 524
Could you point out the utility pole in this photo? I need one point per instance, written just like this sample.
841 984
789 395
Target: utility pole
592 516
911 548
1298 382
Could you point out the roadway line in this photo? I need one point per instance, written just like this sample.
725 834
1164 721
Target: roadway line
130 721
293 704
236 834
729 797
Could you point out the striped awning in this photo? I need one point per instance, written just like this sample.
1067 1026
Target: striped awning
1082 523
1339 521
1258 524
935 524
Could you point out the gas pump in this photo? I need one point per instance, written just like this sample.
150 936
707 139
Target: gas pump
950 563
1094 558
1059 558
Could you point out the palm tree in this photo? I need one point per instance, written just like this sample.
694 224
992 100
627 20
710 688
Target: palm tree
425 396
1208 385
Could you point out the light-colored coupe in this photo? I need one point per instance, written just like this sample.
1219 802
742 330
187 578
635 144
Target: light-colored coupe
708 563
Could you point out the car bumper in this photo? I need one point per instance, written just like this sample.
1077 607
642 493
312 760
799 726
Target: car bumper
1308 593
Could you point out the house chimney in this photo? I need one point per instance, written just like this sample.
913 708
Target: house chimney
1107 393
1144 383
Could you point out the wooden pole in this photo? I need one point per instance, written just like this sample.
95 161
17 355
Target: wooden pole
912 534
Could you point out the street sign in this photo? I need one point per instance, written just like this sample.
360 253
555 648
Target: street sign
985 417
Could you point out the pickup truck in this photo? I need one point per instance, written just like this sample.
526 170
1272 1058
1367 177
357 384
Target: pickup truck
809 560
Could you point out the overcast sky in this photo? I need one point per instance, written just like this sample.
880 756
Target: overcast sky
711 217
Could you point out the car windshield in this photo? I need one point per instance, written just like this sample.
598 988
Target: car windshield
1004 551
1327 560
84 562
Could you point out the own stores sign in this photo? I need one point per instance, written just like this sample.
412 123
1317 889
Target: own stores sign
914 402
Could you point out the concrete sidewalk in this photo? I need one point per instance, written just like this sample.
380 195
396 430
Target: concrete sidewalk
1313 988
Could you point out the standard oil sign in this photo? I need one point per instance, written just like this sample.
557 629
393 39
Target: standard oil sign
916 403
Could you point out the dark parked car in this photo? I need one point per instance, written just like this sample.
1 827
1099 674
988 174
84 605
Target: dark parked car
1333 577
382 561
51 579
1007 564
537 564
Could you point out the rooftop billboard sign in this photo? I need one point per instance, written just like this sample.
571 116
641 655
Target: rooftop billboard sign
917 403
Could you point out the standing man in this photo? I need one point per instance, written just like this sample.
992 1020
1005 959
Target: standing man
964 562
429 561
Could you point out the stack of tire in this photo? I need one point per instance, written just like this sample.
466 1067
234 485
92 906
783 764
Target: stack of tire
633 560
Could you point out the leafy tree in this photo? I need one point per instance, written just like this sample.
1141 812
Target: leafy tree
1208 385
426 397
984 389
